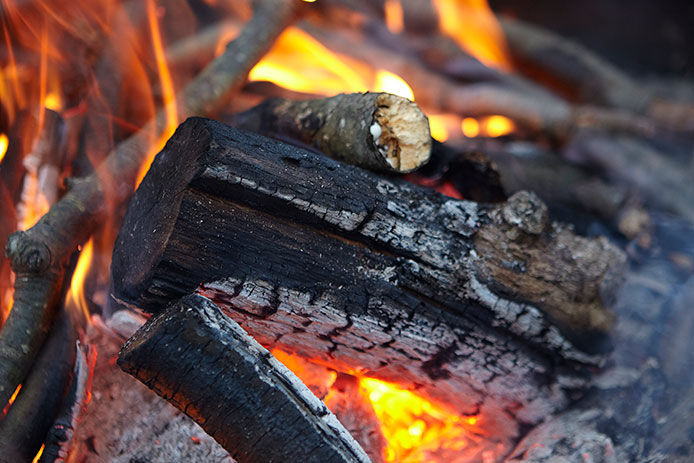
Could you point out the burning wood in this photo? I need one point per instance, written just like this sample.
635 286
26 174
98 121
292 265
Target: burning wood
378 131
370 274
268 415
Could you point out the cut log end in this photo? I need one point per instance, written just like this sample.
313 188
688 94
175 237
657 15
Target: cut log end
401 133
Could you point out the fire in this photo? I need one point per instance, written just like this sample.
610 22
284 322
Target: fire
169 94
4 144
13 397
415 429
489 126
38 454
394 16
473 26
392 83
76 299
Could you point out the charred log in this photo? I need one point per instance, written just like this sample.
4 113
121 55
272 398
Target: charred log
377 131
210 368
371 275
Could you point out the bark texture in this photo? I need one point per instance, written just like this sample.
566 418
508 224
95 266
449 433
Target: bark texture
377 131
371 275
210 368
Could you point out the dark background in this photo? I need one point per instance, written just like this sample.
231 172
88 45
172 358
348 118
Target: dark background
642 37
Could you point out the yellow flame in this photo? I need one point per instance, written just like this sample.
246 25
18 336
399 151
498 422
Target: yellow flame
394 16
497 126
392 83
470 127
38 455
474 27
415 428
4 144
76 299
443 126
53 101
168 92
321 71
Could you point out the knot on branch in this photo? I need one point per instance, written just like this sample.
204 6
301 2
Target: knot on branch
27 255
526 212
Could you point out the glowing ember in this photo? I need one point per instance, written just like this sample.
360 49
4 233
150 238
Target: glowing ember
4 143
473 26
394 16
415 429
443 126
497 126
470 127
11 401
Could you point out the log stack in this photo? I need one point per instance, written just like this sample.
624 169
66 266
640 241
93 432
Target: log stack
492 308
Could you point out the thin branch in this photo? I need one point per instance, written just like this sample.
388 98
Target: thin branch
39 255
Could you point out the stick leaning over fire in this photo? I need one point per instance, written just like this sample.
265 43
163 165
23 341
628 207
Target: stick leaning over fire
192 355
39 255
379 131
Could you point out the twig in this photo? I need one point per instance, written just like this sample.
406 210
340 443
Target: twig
25 426
39 255
377 131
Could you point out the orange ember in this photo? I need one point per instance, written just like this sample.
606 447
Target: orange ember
415 429
13 397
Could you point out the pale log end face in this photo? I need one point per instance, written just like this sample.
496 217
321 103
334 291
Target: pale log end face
403 136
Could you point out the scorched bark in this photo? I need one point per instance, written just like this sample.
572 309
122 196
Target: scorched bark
371 275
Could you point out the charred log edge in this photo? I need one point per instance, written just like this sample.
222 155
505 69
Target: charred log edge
59 438
39 255
29 418
376 131
193 355
357 195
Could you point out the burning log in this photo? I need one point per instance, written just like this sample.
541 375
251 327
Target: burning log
39 256
479 306
378 131
192 355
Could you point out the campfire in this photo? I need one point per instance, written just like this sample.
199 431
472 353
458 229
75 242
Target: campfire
340 231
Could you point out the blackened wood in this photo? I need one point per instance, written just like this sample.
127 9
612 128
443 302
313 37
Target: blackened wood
369 274
24 428
376 131
210 368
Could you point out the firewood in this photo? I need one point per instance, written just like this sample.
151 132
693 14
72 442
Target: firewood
39 255
565 63
535 112
469 303
377 131
211 369
24 428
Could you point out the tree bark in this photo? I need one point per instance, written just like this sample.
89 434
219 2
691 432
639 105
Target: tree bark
210 368
488 308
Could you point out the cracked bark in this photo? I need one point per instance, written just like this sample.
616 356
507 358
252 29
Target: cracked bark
39 256
487 307
193 355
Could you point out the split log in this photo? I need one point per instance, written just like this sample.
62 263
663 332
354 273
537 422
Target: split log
488 308
210 368
39 256
377 131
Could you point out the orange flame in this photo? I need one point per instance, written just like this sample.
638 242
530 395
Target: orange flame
474 27
76 299
13 397
4 144
415 429
168 91
394 16
392 83
38 454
